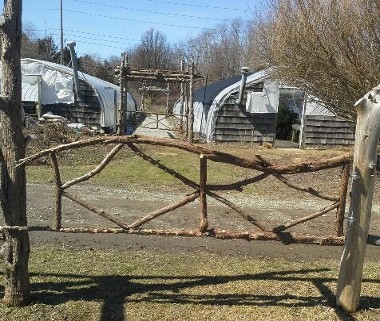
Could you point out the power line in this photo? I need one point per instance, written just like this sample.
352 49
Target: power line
132 20
107 36
100 43
196 5
149 11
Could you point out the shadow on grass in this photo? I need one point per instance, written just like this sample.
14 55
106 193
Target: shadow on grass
114 291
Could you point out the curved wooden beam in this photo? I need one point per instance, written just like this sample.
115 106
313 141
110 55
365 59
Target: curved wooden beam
213 155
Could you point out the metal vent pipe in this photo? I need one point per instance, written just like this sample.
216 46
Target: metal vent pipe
244 73
71 45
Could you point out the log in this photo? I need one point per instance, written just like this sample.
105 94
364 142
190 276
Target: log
96 170
342 200
188 199
190 128
13 228
308 190
238 210
164 168
286 238
102 213
202 193
363 180
237 185
58 191
284 227
295 186
16 282
210 154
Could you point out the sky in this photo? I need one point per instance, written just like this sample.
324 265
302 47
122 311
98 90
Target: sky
108 28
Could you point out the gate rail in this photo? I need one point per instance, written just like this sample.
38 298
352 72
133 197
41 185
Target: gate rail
202 190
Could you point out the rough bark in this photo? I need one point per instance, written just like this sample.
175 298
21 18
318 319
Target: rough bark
284 237
12 148
362 189
342 200
212 155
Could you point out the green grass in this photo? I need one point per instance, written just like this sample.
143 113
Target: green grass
91 284
129 169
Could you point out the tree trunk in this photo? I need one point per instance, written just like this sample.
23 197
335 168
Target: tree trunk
363 180
12 148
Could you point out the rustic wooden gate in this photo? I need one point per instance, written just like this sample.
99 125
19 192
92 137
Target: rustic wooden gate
203 191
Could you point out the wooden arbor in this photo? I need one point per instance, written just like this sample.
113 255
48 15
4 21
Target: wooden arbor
185 78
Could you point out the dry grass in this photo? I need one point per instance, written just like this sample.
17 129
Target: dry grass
90 284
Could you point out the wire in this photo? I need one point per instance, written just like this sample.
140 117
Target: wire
88 33
133 20
195 5
149 11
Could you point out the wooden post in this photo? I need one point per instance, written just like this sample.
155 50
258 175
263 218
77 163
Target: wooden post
58 192
12 148
39 97
190 105
363 180
167 99
202 192
342 200
122 103
302 142
182 94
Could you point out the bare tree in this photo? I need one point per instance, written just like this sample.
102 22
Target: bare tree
220 52
328 47
153 52
12 148
94 66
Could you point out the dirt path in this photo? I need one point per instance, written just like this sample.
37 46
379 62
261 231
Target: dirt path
131 204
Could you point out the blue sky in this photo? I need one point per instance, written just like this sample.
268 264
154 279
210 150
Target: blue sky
106 28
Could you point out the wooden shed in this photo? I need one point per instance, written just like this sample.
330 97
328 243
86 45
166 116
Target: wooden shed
222 113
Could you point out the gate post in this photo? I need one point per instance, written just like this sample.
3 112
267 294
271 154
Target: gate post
58 192
202 192
342 200
363 180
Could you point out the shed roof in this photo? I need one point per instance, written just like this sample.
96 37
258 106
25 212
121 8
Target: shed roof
206 94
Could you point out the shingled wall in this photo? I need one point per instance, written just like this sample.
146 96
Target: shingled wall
85 110
328 131
234 124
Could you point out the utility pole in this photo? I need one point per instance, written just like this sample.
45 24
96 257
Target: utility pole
61 13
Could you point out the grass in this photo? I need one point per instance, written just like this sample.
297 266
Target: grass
98 285
129 169
92 284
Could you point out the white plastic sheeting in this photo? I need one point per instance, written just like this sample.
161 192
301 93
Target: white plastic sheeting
56 84
266 101
57 88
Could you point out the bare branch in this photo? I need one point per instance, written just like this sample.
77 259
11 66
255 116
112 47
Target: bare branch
213 155
96 170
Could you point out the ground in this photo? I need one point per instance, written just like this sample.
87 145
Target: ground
131 204
81 276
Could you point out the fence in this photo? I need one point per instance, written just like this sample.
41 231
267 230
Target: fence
203 191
